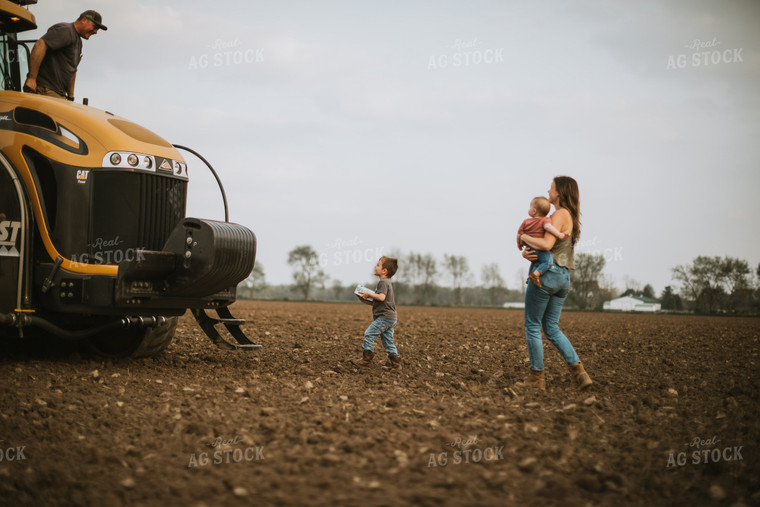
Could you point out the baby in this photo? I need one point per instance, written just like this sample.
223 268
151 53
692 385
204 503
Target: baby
536 227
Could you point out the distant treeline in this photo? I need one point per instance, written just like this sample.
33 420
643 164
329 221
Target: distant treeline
337 291
708 285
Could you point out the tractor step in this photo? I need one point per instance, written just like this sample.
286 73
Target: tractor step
232 325
227 322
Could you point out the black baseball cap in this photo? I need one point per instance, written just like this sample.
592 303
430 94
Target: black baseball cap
95 18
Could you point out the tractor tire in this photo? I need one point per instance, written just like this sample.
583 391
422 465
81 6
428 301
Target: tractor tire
134 342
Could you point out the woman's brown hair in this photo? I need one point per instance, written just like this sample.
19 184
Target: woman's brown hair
569 198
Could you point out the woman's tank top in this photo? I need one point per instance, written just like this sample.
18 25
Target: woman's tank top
564 253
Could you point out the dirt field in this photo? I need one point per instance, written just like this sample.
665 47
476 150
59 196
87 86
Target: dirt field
672 418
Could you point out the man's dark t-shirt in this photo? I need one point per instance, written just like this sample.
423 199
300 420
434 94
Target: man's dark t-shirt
384 309
64 52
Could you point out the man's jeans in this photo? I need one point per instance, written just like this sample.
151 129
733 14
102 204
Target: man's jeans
542 309
384 328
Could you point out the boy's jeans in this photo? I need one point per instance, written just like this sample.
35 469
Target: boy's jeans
384 328
542 309
543 263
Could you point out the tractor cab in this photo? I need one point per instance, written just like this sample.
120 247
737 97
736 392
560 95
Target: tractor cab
14 19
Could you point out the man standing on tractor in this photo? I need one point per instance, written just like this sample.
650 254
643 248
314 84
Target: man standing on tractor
56 56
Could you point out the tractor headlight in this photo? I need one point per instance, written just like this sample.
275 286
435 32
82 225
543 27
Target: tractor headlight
144 162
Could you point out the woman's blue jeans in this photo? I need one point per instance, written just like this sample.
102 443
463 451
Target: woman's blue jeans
542 309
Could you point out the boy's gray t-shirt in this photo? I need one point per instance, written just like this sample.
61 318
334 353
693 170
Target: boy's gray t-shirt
384 309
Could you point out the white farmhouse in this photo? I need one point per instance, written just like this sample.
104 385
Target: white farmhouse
633 304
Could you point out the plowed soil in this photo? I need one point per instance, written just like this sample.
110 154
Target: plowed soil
671 419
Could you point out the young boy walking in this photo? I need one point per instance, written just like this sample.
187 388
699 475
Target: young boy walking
384 313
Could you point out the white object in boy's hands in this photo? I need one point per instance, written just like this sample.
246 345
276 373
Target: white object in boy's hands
359 289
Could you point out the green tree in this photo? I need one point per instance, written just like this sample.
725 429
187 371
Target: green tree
306 271
607 289
493 282
701 282
411 275
632 287
458 271
715 284
256 281
420 276
337 289
670 300
584 280
737 273
429 270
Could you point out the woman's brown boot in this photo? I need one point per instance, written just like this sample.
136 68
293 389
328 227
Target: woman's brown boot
581 380
366 359
535 380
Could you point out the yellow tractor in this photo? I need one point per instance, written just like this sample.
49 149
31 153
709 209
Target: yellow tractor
94 242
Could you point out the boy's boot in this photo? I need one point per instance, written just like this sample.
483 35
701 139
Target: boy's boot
580 378
535 380
536 279
395 363
366 359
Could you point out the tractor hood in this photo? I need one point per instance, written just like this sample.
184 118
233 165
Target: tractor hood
14 18
81 135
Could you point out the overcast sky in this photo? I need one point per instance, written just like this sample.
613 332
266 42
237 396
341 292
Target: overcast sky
362 128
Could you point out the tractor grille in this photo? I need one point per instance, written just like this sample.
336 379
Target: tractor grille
162 207
135 210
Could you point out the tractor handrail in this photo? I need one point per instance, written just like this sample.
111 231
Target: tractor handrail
219 181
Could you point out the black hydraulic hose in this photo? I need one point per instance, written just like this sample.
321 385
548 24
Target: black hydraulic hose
219 181
46 325
23 320
33 320
51 328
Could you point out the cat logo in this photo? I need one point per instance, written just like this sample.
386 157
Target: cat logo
82 175
8 236
166 165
